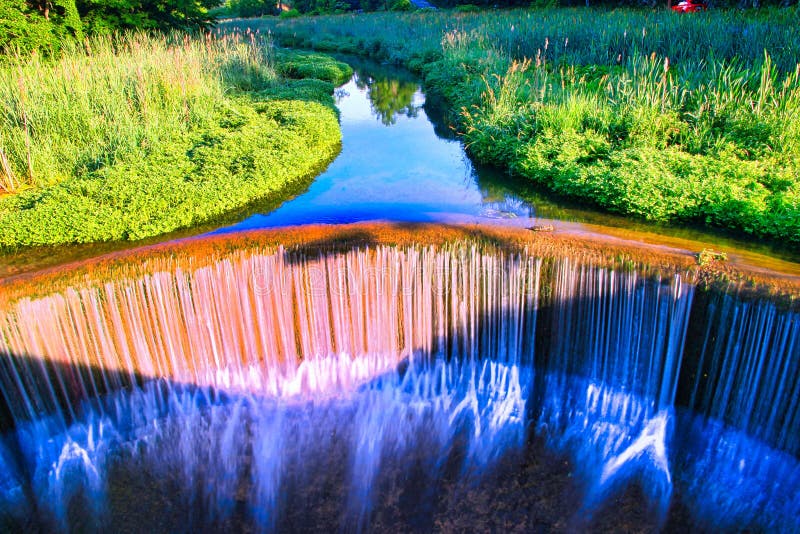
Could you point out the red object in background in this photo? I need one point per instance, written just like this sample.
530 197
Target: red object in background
689 6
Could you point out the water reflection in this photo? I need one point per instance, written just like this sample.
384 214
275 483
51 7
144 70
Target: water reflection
404 172
389 97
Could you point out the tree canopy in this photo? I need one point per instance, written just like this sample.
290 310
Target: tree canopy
106 16
27 25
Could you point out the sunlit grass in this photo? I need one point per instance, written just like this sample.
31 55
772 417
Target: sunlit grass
129 137
111 99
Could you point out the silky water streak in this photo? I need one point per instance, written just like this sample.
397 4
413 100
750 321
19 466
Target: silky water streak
221 376
274 389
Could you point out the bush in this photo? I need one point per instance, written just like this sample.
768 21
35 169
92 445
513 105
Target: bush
401 5
252 8
23 29
310 65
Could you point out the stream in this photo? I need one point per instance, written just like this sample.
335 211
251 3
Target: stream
401 162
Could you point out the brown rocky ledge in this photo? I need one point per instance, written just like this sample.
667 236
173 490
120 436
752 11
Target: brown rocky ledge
615 252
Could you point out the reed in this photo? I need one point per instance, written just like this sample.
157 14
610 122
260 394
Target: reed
107 100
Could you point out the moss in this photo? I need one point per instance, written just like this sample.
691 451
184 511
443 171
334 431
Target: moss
294 64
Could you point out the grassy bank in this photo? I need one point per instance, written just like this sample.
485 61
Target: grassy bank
645 113
138 136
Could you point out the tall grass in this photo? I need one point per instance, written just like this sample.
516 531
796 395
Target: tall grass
559 36
645 113
112 99
130 137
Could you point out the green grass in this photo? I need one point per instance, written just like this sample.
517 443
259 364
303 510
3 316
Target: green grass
139 136
644 113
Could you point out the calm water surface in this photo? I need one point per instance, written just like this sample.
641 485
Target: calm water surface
393 166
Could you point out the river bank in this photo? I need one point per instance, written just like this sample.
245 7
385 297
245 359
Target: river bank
146 136
646 114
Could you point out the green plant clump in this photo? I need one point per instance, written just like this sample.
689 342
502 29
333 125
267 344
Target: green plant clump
141 136
293 64
643 113
290 14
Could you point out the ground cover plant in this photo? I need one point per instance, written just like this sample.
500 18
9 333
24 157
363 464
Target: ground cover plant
129 137
646 113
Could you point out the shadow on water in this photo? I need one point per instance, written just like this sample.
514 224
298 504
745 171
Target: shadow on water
485 393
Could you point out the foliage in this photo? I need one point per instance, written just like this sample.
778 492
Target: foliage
46 25
139 136
649 114
252 8
103 17
401 5
31 25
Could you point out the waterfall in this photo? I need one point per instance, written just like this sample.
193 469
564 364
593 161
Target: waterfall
261 388
745 370
251 345
275 325
742 374
612 356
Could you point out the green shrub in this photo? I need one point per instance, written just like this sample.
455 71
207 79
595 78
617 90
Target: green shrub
401 5
24 29
252 8
292 13
293 64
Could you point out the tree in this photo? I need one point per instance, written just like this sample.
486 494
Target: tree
253 8
107 16
38 24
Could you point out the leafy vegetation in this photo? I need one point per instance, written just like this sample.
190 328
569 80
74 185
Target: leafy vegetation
650 114
104 17
137 136
46 25
38 25
296 64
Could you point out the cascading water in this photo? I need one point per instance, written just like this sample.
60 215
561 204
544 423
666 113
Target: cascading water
614 353
376 387
274 348
743 374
